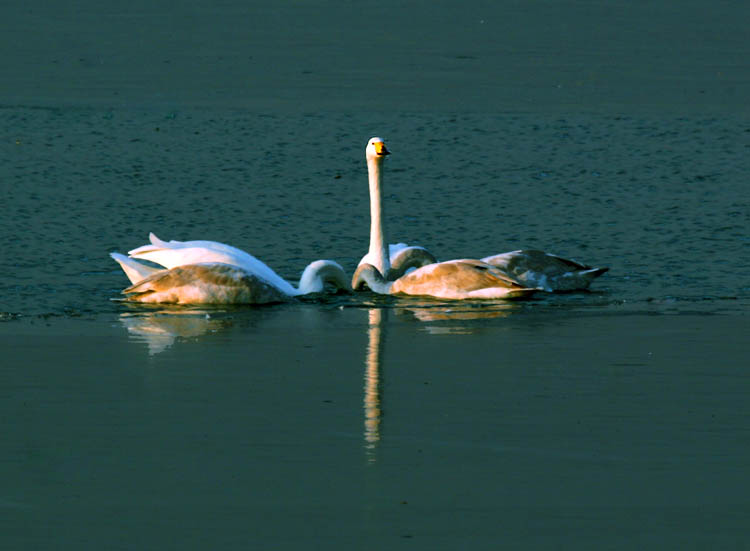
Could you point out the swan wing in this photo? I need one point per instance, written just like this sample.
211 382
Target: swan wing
205 283
209 247
548 271
460 279
156 243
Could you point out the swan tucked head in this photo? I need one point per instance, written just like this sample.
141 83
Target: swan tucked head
376 148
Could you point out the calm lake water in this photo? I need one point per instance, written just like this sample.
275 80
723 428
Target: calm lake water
611 419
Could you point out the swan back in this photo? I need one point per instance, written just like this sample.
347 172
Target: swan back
460 279
157 243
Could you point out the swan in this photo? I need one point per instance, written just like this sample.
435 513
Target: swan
451 280
391 260
171 254
455 279
529 267
545 271
219 275
217 283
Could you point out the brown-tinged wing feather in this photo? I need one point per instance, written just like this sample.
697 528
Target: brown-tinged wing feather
468 275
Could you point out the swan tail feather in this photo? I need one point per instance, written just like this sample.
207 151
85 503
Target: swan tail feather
596 272
135 270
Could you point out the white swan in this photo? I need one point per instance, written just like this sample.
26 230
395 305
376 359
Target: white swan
216 283
391 260
207 272
171 254
456 279
531 268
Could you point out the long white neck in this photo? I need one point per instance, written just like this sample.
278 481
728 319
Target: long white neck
320 272
378 254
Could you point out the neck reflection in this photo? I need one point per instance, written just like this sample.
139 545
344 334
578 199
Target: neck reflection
373 398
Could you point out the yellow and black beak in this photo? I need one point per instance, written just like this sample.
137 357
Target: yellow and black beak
381 149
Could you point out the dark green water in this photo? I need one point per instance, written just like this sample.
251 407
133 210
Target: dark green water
614 419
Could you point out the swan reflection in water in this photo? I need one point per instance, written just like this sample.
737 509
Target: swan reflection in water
433 317
373 361
442 319
161 328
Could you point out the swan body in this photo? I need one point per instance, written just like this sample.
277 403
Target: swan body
204 283
171 254
208 272
546 271
452 280
217 283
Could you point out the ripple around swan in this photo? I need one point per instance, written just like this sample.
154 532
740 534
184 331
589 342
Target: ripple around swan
660 201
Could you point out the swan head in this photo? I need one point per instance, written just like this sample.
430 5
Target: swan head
376 149
320 273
